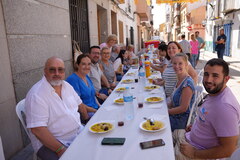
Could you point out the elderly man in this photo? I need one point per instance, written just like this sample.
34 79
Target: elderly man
52 115
97 76
215 131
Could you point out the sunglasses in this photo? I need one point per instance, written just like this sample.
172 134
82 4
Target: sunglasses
53 70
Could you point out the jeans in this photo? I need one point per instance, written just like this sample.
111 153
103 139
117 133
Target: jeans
220 53
103 91
193 60
46 154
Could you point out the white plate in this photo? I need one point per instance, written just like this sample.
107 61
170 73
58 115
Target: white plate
140 126
128 81
100 123
120 90
117 102
154 101
149 89
131 74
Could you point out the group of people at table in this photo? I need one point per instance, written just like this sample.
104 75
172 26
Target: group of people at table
56 109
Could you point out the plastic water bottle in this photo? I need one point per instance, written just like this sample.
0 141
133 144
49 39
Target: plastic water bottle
128 104
142 79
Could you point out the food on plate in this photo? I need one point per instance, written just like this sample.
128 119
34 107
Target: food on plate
130 74
101 127
127 81
119 100
151 87
154 72
121 89
154 99
157 125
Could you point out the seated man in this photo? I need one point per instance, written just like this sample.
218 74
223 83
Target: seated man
215 131
52 115
97 76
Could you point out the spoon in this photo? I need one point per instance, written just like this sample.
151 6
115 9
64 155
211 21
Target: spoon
151 120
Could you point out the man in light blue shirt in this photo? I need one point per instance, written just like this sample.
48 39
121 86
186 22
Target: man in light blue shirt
201 44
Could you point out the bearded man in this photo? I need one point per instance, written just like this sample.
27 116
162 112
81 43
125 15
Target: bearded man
52 115
215 132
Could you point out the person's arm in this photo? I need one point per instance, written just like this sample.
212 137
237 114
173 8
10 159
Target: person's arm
159 68
226 147
105 81
185 101
48 140
193 73
82 109
89 109
202 45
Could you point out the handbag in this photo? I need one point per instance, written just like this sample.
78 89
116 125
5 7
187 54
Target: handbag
76 51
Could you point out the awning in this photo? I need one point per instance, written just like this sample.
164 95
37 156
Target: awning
174 1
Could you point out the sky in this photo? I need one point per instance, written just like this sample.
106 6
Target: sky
158 14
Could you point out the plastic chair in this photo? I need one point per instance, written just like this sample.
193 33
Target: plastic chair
20 110
198 98
1 150
235 155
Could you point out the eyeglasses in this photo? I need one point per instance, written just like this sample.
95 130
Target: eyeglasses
202 100
53 70
106 53
98 53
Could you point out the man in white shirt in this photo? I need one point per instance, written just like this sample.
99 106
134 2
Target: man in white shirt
185 46
52 114
97 76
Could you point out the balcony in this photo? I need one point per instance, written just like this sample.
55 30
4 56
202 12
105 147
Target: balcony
143 10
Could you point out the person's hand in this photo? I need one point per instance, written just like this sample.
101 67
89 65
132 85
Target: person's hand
113 85
187 150
155 62
188 128
159 81
102 96
109 91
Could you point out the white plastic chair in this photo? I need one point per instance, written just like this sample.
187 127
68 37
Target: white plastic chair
1 150
20 110
235 155
198 98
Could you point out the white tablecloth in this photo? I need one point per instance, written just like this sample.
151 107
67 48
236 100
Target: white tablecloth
87 145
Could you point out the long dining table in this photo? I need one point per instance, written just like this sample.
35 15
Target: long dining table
87 145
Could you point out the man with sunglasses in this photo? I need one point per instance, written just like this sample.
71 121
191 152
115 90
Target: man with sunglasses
52 114
215 132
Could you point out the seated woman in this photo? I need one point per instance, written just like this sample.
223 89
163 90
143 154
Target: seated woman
119 66
107 67
83 85
182 97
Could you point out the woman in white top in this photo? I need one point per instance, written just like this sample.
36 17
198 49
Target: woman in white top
169 76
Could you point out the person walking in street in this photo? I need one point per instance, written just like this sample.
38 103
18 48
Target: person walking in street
201 44
215 131
194 50
185 46
52 114
220 43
